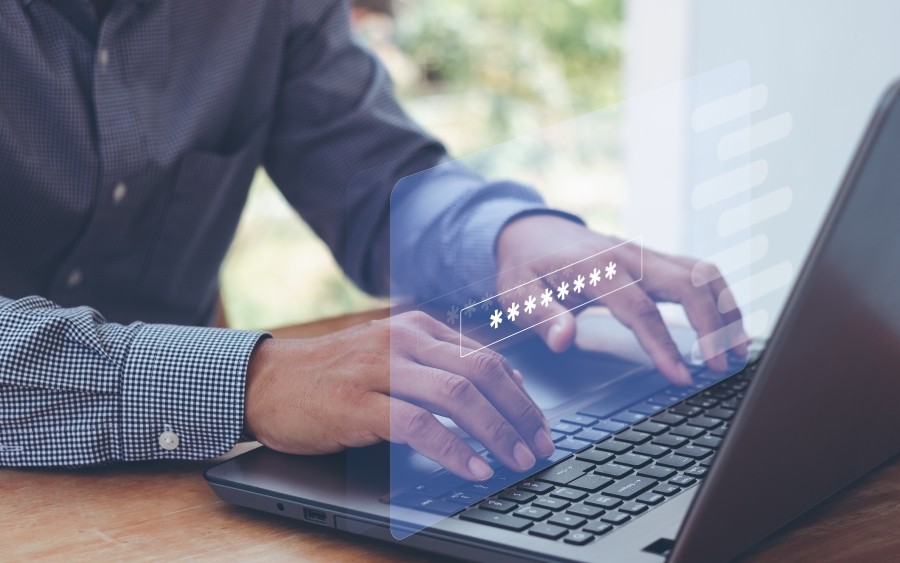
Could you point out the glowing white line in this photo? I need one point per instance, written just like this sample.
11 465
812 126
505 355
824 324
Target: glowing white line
754 212
755 136
759 285
730 184
729 108
732 259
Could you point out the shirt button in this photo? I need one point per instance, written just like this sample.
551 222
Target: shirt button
74 278
119 193
103 57
168 440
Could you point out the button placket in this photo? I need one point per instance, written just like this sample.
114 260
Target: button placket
169 440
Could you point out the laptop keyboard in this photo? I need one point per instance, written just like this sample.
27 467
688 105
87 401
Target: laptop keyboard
608 468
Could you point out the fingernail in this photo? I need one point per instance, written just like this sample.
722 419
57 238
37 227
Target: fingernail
553 336
684 376
523 456
543 442
479 468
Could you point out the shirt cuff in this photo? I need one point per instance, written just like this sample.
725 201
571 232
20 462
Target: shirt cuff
483 231
183 392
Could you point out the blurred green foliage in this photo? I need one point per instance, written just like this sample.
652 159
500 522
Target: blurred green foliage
485 71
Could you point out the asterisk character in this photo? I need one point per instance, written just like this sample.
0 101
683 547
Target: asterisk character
496 318
530 304
469 309
452 315
610 270
485 301
579 283
513 312
546 297
562 291
595 276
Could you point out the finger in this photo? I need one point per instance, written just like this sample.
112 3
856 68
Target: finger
487 370
551 318
634 308
731 314
419 429
475 387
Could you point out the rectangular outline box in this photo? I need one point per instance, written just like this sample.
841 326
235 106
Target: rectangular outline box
638 239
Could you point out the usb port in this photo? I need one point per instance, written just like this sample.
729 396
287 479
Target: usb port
316 516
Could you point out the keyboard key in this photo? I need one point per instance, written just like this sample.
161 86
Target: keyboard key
580 420
629 417
547 531
556 437
685 410
615 518
568 494
704 422
590 483
696 471
598 528
632 437
682 481
633 460
675 461
519 497
597 457
614 446
650 427
426 502
505 521
625 391
603 501
497 505
720 413
656 472
563 472
708 442
551 503
570 444
645 408
651 498
609 426
579 538
694 452
633 508
629 488
688 431
703 402
670 441
567 521
706 462
651 450
591 435
667 490
535 513
566 428
535 487
613 470
585 510
720 431
668 419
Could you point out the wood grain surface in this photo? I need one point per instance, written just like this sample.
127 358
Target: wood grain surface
165 511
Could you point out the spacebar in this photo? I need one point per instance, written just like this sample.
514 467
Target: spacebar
625 392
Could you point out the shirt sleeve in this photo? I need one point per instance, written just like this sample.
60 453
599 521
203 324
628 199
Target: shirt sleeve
341 143
77 390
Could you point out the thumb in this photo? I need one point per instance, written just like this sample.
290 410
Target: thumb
558 333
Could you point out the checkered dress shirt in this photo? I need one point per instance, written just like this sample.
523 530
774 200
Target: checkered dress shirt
127 147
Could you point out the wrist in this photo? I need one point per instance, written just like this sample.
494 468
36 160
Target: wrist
257 368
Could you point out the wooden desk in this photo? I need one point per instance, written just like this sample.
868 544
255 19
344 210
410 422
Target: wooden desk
165 510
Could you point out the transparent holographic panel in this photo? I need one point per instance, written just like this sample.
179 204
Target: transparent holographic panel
675 190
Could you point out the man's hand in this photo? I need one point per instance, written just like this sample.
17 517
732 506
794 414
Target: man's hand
383 381
532 246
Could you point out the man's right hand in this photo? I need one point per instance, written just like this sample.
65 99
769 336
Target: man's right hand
385 380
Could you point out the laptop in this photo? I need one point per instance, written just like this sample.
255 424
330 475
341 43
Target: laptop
645 471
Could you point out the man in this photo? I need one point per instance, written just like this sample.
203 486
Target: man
129 133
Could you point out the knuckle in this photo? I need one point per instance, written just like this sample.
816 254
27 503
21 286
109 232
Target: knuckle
447 449
458 389
416 421
496 430
707 271
487 364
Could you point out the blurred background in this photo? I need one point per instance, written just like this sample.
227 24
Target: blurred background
474 74
480 73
